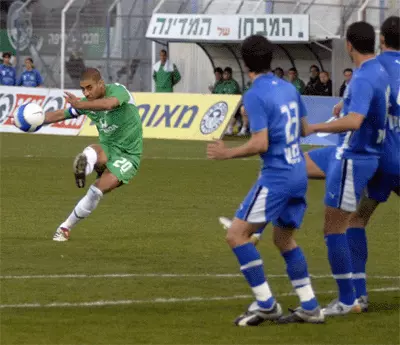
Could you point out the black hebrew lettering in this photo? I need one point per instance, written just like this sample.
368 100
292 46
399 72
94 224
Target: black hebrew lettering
287 22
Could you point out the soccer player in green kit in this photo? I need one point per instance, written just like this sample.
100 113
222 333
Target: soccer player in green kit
117 158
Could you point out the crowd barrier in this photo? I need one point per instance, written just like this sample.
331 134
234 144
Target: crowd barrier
164 116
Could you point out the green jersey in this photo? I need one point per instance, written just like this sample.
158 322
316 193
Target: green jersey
120 130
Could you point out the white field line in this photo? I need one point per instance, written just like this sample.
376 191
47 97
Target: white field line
164 300
162 275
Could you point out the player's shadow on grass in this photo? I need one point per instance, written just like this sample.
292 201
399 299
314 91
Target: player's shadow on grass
378 307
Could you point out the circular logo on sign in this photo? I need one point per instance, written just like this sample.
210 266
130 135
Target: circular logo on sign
213 118
19 26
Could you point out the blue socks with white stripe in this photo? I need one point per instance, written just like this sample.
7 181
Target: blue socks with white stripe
340 261
296 268
252 268
357 240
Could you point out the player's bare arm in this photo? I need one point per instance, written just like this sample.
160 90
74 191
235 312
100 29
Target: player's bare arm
351 122
305 127
108 103
257 144
54 116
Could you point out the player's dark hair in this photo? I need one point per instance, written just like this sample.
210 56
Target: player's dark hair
7 55
316 67
279 69
218 70
163 51
361 36
293 69
91 73
228 70
390 30
325 72
347 70
29 59
257 53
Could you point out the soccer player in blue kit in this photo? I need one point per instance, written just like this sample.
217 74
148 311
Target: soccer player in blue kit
362 129
387 177
277 117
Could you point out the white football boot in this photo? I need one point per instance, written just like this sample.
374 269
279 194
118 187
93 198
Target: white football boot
255 315
61 235
336 308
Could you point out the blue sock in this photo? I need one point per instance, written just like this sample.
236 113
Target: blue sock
340 260
252 268
357 239
296 268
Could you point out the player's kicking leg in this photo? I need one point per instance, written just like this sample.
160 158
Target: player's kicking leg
111 177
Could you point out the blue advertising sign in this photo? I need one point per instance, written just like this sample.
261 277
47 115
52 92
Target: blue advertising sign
319 109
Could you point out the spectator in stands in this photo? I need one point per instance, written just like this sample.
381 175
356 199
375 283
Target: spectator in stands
230 85
279 72
314 80
293 78
348 74
165 73
8 74
31 76
324 87
217 87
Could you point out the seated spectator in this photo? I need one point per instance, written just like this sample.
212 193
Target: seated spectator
279 72
217 87
293 78
230 85
7 71
324 87
348 74
30 77
314 79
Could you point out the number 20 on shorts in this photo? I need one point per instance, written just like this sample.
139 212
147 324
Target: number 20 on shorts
123 164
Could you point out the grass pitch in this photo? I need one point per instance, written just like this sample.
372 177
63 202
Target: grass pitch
150 265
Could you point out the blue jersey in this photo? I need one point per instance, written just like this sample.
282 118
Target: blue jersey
7 75
275 105
367 95
30 79
390 160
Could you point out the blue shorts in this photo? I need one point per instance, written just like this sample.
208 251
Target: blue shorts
264 204
346 180
322 157
381 185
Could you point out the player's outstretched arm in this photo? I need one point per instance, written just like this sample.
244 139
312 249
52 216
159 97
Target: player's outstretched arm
54 116
257 144
108 103
351 122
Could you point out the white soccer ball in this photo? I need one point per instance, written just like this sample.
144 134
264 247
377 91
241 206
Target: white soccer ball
29 117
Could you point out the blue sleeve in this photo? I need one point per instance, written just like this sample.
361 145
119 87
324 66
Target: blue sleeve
302 108
15 76
256 112
19 80
39 80
361 96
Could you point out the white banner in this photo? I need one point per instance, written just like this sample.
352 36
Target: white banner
50 99
228 28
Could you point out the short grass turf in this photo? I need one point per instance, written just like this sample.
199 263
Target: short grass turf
164 222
